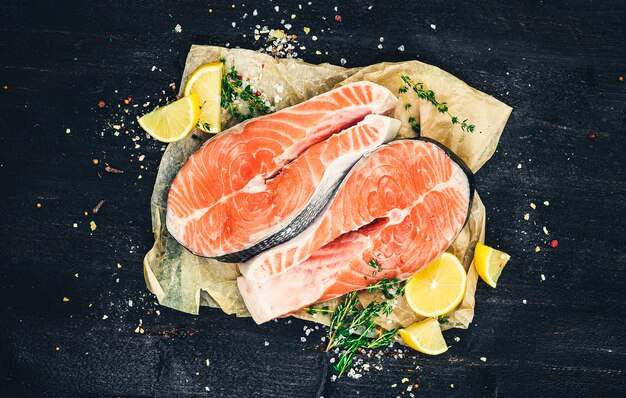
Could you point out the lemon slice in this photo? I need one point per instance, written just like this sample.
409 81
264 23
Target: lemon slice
174 121
437 288
489 263
206 82
425 336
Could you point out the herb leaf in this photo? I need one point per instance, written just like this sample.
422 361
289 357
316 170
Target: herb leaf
427 95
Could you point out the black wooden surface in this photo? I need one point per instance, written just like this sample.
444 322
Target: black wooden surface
557 63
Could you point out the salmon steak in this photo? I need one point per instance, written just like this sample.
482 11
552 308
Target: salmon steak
402 205
262 182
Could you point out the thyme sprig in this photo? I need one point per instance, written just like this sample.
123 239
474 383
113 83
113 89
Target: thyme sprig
428 95
234 89
353 328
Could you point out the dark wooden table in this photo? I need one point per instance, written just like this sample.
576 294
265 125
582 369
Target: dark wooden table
557 65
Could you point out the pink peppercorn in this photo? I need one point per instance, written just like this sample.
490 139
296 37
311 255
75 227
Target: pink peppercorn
554 243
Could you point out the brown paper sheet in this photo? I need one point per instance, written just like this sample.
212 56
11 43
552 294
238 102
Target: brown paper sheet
184 282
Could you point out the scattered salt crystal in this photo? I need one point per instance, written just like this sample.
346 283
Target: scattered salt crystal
306 30
484 359
332 360
394 385
255 12
266 343
104 317
314 38
546 203
524 301
451 385
234 24
433 26
543 277
405 380
303 339
130 303
380 46
67 131
519 165
159 313
293 16
277 8
287 26
537 249
545 230
178 28
142 157
343 61
382 39
401 48
526 216
457 339
533 206
75 225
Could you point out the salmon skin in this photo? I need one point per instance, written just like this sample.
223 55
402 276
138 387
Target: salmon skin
402 205
263 181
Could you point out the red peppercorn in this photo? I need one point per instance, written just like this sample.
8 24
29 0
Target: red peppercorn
554 243
338 18
102 104
258 93
239 76
592 135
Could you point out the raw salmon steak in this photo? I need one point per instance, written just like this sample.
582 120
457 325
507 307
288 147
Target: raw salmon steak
263 181
402 205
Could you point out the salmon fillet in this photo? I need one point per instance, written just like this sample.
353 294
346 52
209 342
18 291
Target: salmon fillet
402 205
263 181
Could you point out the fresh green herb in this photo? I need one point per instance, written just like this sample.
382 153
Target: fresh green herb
428 95
353 328
443 319
204 125
237 95
374 264
323 310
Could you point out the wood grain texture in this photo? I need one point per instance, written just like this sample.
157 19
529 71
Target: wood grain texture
556 64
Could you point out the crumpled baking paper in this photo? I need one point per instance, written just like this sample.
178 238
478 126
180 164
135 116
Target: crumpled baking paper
183 281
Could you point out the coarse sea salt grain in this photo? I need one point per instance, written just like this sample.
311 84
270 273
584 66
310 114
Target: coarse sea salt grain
433 26
401 48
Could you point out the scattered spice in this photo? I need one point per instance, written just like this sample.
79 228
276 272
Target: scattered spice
95 161
592 135
526 217
338 18
66 299
98 206
620 78
38 205
93 225
554 243
113 170
430 96
102 104
5 87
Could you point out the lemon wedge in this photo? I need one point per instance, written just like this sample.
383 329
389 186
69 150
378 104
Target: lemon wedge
437 288
489 263
206 82
425 336
174 121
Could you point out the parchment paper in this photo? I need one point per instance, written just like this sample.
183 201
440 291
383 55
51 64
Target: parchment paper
184 282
